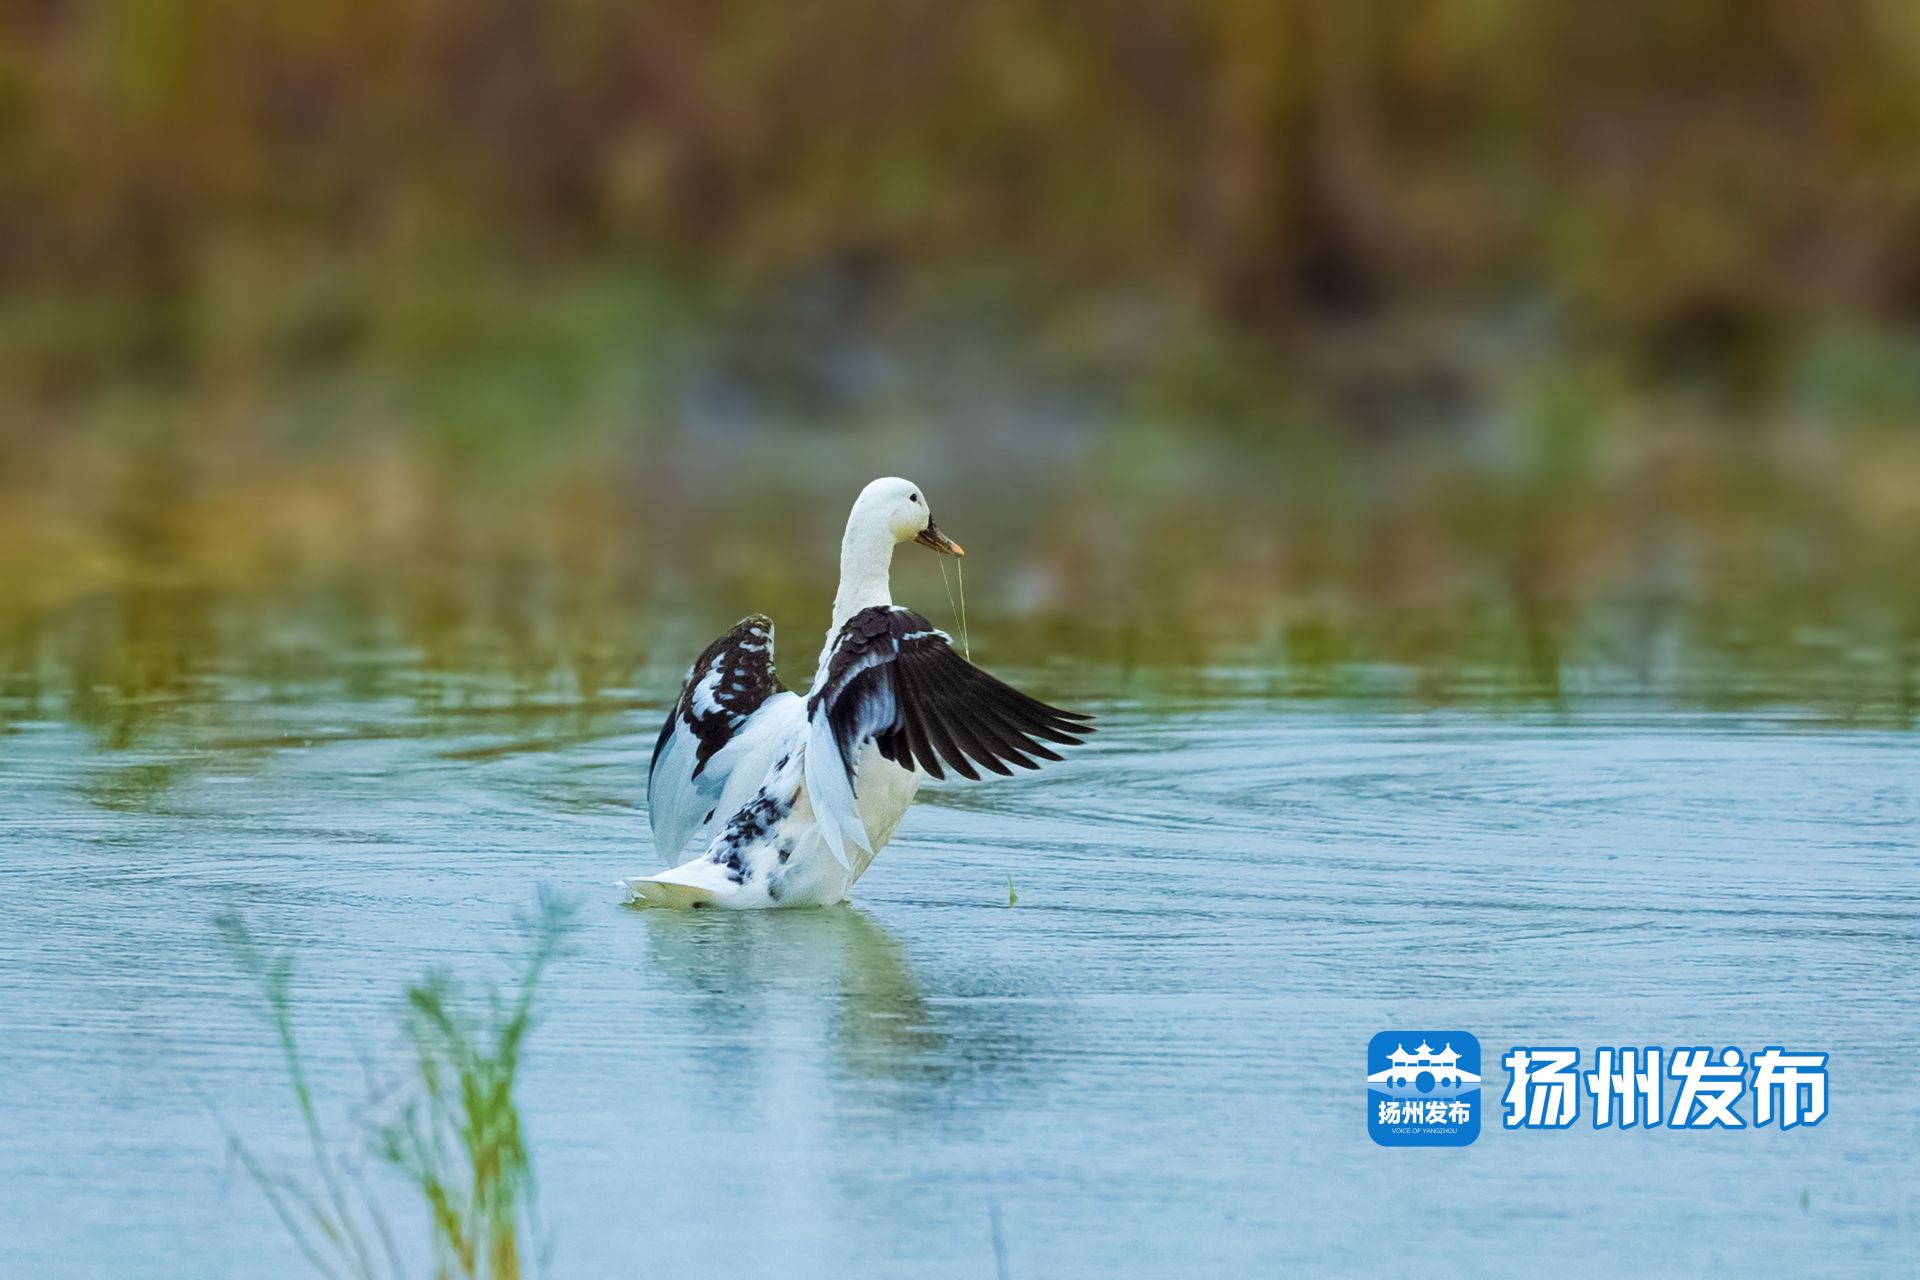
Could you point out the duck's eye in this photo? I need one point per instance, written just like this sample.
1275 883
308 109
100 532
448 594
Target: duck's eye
914 496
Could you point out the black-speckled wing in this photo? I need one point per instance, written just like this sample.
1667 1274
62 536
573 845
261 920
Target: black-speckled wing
730 680
895 680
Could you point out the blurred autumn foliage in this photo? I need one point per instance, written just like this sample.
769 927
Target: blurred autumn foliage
1441 333
1690 171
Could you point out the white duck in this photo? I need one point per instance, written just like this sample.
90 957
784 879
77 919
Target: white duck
788 799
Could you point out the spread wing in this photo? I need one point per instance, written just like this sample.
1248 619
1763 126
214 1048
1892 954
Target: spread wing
730 680
893 680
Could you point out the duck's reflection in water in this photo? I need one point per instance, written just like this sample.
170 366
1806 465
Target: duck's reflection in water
823 1002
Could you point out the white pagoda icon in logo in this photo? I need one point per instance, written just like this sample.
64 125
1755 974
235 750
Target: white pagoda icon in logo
1405 1069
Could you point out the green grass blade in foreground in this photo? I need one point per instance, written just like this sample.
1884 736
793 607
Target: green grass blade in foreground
341 1247
456 1138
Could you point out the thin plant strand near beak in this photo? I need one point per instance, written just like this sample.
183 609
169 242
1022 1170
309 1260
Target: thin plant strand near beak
932 537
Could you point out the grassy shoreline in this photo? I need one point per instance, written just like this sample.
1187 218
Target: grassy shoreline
528 479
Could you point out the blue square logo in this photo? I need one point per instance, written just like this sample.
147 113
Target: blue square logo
1423 1088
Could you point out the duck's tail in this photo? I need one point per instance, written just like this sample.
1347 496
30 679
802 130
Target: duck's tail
700 883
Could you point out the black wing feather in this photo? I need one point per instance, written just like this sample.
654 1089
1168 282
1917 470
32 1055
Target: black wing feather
737 670
913 727
1027 739
942 739
894 678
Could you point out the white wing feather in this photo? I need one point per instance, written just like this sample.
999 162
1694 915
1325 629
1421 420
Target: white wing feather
728 690
831 793
829 775
677 802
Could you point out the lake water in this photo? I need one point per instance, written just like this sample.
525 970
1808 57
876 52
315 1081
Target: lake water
1151 1065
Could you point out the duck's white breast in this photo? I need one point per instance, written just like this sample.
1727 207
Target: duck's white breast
883 794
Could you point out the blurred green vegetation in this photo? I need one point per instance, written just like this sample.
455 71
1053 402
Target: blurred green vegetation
1706 165
1493 344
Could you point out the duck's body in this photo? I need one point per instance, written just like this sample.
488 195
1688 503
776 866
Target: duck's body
788 799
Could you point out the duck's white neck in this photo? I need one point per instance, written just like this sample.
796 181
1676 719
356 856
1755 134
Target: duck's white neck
866 554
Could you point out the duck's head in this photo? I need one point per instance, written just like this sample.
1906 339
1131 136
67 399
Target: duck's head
900 507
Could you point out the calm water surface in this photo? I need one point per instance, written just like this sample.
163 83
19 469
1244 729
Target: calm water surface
1150 1066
